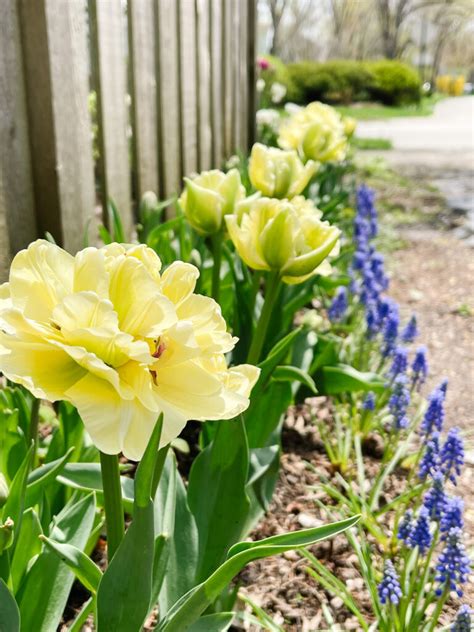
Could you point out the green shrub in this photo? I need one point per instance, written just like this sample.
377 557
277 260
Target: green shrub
346 81
394 83
277 72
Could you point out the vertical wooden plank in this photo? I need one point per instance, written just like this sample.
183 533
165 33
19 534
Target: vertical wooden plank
204 84
227 45
168 81
110 71
17 219
251 69
217 83
243 77
188 86
141 29
236 94
55 48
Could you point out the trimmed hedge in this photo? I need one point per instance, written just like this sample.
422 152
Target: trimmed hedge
344 81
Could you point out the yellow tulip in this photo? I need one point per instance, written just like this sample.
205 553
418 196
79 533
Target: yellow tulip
278 173
316 132
208 197
350 125
287 236
123 342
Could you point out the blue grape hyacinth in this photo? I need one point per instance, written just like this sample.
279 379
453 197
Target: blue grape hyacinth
338 307
434 415
452 454
389 588
430 461
369 401
435 499
399 362
399 402
405 528
411 330
420 535
453 565
419 367
452 515
463 620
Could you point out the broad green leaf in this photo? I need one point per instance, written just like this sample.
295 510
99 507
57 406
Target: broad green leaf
188 609
342 378
175 518
216 494
294 374
87 477
219 622
276 356
158 231
45 590
14 506
28 546
115 222
125 591
81 564
263 474
265 412
42 476
9 613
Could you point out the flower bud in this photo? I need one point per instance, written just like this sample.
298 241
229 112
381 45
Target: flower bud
278 173
6 534
210 196
283 236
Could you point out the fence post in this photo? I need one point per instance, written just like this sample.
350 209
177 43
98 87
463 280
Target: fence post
17 219
55 49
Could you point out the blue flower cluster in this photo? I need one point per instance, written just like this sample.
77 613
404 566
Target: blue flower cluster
399 362
419 367
338 308
452 455
389 588
399 402
463 621
452 516
453 565
434 415
411 330
435 499
429 463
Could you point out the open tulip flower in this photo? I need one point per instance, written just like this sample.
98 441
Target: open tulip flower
286 236
210 196
123 343
317 132
278 173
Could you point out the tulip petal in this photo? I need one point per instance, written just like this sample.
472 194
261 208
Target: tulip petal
178 281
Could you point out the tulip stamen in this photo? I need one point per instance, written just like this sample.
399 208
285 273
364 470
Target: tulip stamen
160 348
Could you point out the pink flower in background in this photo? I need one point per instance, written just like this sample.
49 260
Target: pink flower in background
263 63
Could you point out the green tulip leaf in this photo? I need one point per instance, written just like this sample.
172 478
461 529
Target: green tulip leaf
219 622
342 378
42 476
294 374
88 573
9 613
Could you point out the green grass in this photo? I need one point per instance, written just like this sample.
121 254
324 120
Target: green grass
368 111
372 143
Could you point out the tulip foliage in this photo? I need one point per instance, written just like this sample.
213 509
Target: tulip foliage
112 351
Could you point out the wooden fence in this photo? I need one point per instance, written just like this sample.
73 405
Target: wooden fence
108 99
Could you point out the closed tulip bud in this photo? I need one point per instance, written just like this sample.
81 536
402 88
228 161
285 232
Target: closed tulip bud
350 125
283 236
317 132
6 534
278 173
210 196
3 490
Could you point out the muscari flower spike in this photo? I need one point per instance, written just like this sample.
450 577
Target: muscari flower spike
434 415
399 362
369 401
452 515
435 499
463 621
453 565
452 454
399 402
429 463
389 588
405 528
338 306
419 367
411 330
390 332
420 535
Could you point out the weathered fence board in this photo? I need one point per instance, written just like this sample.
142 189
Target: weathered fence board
55 56
108 36
17 218
174 83
142 47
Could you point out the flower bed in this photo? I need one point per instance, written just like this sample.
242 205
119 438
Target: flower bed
131 342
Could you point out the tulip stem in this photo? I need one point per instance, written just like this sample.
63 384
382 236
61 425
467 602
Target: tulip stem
114 520
216 247
271 292
33 429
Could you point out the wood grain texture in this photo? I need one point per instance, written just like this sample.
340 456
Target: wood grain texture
204 84
142 47
110 72
188 86
55 55
168 81
17 213
217 80
227 56
251 70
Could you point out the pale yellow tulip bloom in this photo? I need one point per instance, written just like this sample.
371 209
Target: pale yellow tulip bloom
283 236
123 342
278 173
